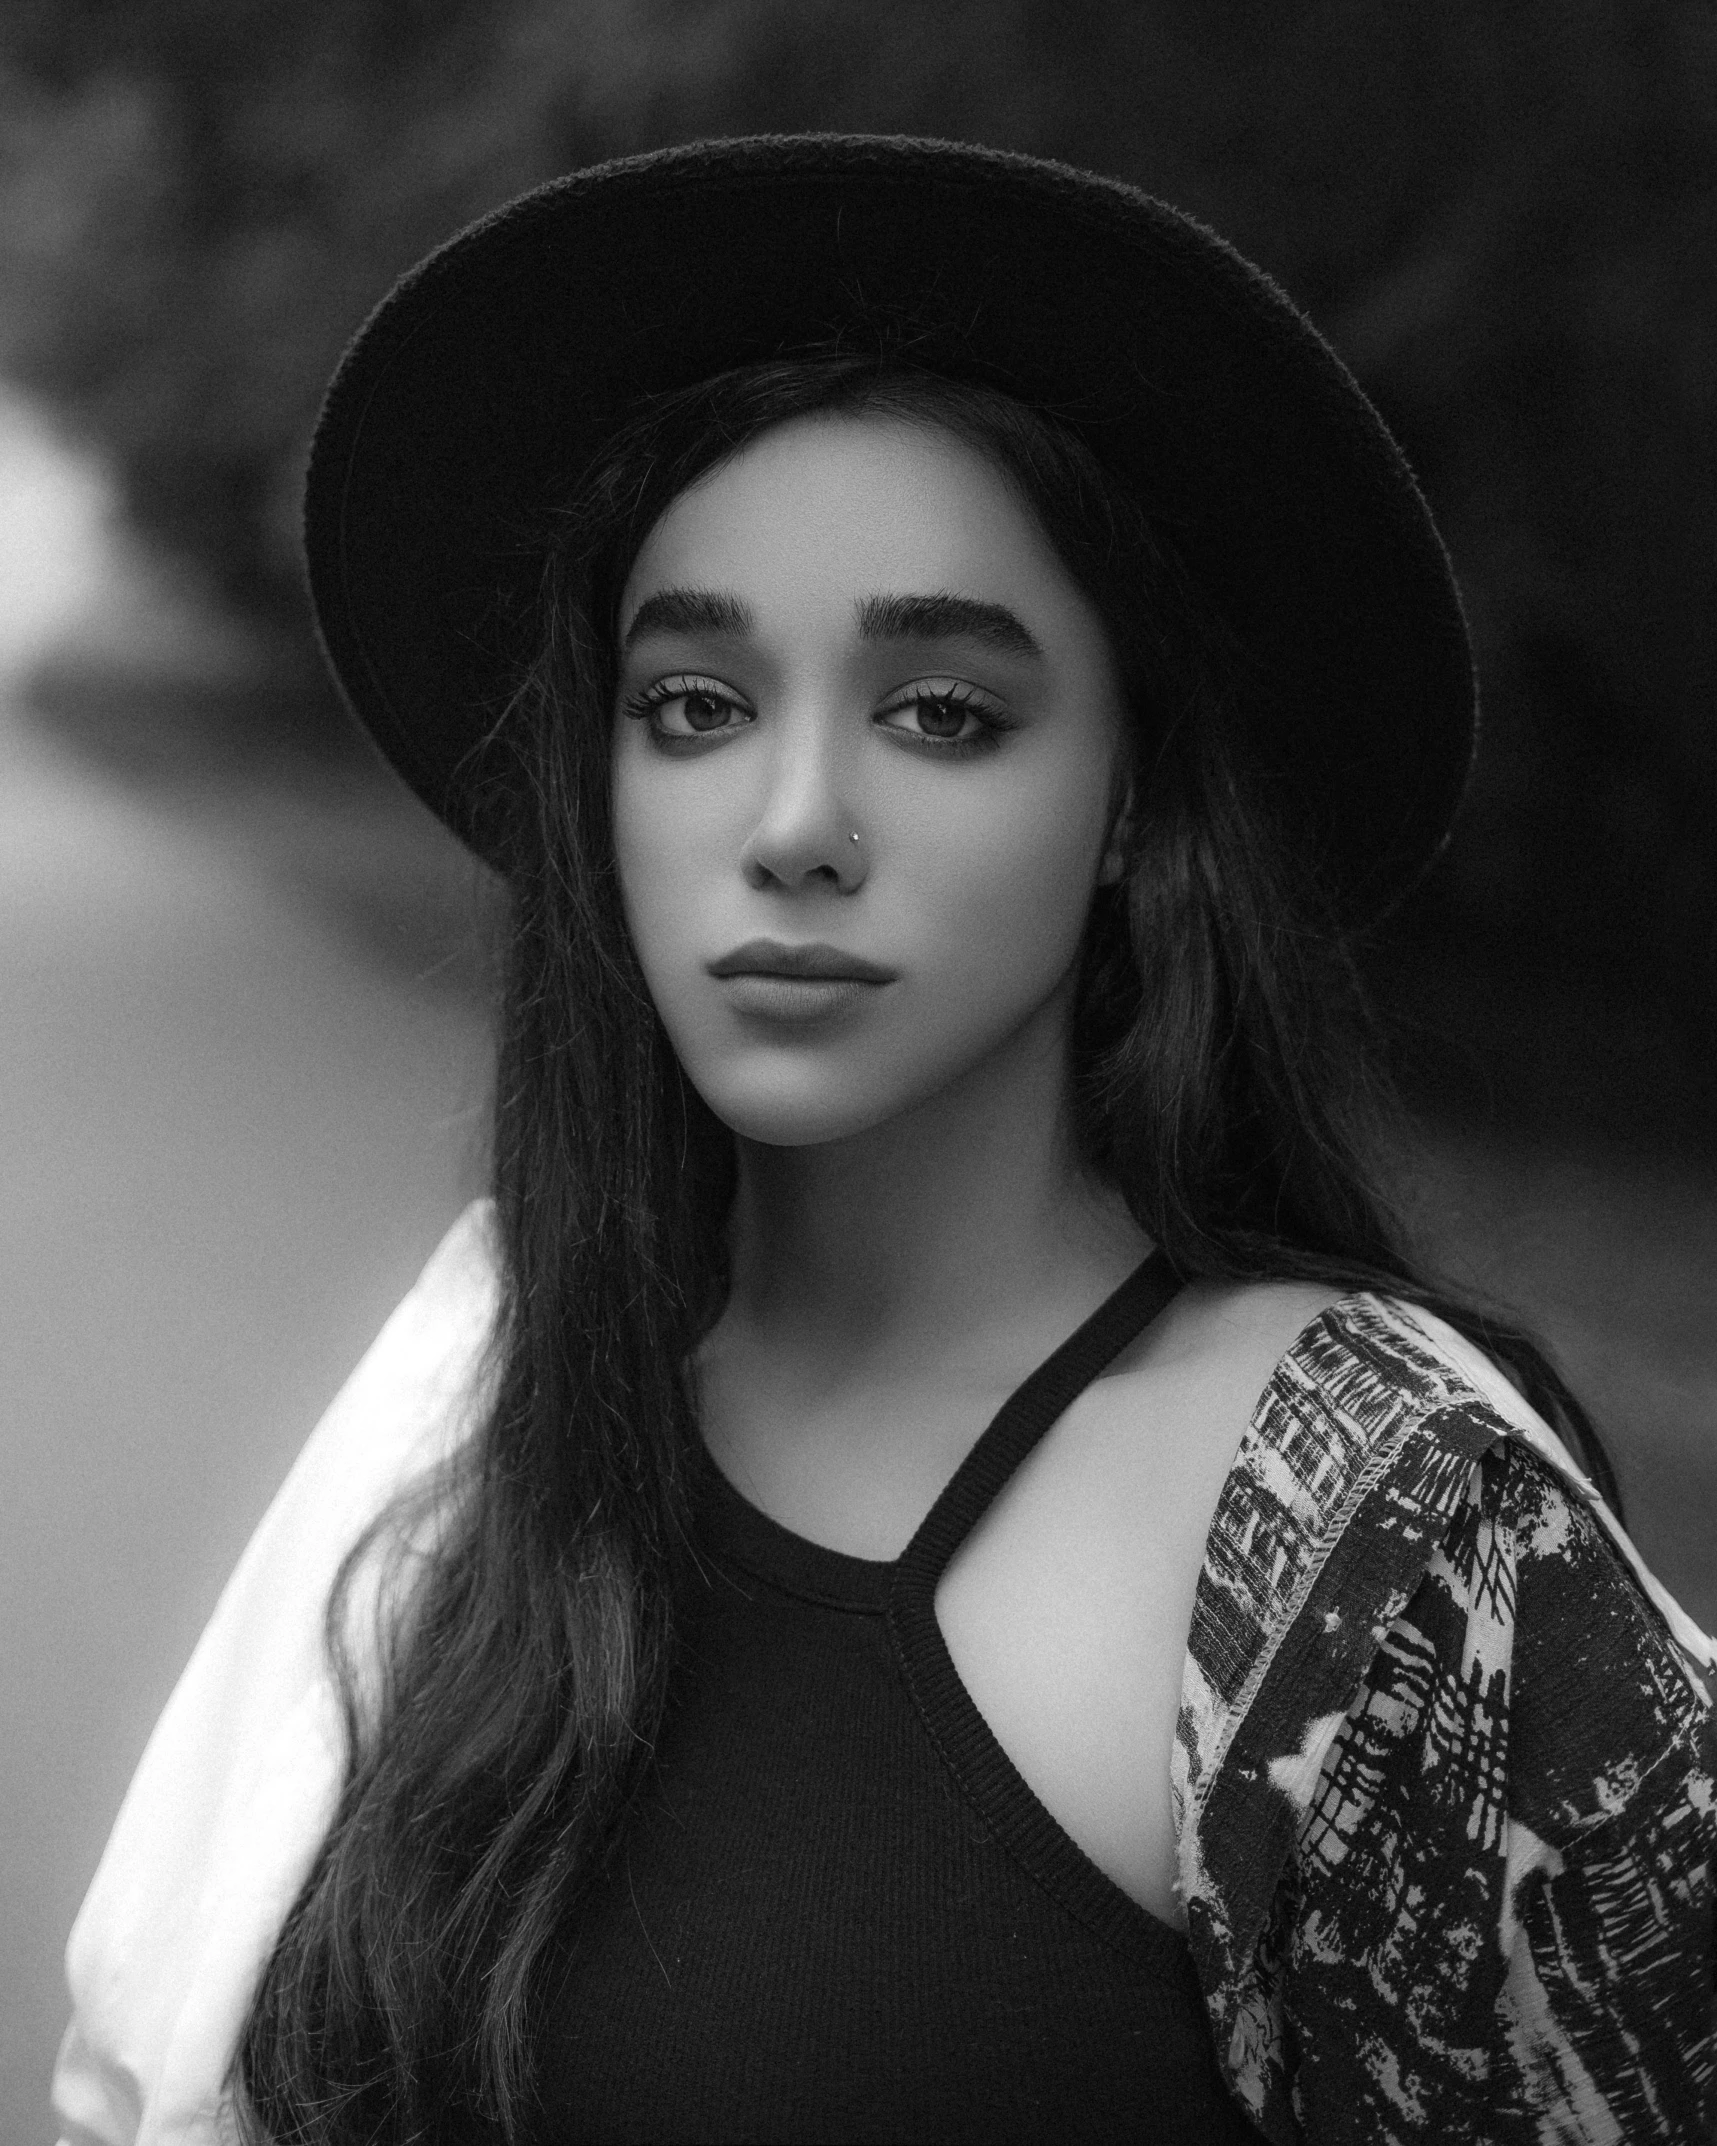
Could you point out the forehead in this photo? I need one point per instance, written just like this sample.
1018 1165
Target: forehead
862 502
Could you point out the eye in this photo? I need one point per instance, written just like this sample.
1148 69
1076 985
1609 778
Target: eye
948 715
702 707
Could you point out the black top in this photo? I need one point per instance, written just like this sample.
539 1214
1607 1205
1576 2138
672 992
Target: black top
839 1913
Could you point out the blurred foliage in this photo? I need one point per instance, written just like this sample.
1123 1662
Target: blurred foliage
1504 216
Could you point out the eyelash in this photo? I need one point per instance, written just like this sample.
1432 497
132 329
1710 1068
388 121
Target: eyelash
643 705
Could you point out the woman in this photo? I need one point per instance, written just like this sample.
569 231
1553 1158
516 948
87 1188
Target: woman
929 1568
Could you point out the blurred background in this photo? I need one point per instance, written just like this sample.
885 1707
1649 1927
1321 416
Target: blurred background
243 984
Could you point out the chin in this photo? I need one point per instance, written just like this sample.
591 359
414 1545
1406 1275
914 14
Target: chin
803 1122
808 1108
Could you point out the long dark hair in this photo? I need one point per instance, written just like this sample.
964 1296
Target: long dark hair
1225 1082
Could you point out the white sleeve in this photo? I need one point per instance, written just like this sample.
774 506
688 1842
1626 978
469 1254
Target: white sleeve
238 1782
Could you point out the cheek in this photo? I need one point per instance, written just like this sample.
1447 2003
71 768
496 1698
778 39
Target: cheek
651 908
1007 894
656 857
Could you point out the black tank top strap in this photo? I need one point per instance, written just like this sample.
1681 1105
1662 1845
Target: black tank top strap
1024 1417
970 1750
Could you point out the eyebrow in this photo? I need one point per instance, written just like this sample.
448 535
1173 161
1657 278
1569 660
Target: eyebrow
945 618
939 617
689 611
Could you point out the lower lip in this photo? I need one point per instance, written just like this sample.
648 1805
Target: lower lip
795 998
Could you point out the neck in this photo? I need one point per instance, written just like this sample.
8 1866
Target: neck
954 1235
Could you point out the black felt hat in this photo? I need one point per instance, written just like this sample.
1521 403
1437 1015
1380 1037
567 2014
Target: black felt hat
491 373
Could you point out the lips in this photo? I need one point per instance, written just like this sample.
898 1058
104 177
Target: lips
768 957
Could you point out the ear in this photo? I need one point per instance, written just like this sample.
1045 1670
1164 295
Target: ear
1119 845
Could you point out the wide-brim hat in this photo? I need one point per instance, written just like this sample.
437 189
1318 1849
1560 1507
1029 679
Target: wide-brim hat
491 375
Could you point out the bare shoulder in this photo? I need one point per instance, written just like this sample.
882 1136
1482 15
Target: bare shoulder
1206 1361
1067 1609
1147 1449
1179 1402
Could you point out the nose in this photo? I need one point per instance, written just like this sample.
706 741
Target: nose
805 822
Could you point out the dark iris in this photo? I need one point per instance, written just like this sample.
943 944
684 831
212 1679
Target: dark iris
704 711
931 713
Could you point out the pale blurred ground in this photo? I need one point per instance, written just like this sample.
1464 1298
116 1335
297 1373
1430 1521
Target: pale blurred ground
242 1069
230 1134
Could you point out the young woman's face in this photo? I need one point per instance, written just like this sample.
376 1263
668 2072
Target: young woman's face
855 626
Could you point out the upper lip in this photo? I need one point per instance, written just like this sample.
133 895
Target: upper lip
768 957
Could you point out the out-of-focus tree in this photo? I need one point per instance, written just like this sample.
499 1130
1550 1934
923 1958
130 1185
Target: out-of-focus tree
1504 216
202 198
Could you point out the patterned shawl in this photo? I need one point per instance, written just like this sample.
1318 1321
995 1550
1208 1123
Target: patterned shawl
1444 1778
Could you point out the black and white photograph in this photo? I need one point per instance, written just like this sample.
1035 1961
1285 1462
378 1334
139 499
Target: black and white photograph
858 1072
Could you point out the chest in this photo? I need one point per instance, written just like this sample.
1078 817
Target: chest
835 1915
1066 1609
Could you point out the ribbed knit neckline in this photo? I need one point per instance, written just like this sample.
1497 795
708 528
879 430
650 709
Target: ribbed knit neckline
735 1529
903 1590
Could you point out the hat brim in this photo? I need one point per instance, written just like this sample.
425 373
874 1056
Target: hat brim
490 375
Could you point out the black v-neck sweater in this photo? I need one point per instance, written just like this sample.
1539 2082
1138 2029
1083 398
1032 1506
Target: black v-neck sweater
838 1912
